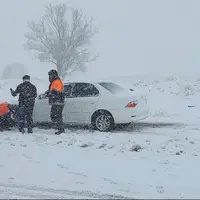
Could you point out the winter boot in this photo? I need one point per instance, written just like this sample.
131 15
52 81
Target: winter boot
60 131
8 129
30 130
22 130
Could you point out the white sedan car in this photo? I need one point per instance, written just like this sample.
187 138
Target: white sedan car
100 104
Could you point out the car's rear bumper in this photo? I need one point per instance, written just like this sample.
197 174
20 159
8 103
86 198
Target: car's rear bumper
129 115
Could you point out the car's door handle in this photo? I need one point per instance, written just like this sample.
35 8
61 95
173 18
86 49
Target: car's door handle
92 103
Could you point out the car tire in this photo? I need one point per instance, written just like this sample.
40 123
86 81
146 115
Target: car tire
103 121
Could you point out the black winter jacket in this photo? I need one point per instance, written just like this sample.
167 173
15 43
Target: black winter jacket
27 94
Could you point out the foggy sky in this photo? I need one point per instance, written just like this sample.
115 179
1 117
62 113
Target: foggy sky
136 36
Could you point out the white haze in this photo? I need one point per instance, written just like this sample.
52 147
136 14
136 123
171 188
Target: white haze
136 36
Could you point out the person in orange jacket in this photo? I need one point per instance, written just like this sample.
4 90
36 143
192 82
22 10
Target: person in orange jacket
56 100
7 115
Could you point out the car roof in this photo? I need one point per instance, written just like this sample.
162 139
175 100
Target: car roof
86 81
79 81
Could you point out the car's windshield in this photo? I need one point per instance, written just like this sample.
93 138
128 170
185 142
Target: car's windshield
112 87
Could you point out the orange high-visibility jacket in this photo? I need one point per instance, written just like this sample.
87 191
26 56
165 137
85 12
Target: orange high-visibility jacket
4 108
57 85
56 92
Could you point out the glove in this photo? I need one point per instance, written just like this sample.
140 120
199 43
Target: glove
12 91
47 93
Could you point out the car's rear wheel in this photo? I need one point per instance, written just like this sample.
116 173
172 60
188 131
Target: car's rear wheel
103 121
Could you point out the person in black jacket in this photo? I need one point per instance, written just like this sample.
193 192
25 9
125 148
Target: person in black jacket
27 94
56 100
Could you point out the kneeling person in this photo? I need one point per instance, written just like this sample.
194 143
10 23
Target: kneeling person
7 115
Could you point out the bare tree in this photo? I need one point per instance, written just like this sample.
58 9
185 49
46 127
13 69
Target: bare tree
62 39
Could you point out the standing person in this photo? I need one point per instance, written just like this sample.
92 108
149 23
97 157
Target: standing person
56 100
27 94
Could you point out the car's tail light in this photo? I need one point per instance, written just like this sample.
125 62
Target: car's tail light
131 104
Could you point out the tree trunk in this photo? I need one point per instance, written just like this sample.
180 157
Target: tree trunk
61 73
59 69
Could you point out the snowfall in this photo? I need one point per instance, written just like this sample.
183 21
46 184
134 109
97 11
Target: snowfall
155 158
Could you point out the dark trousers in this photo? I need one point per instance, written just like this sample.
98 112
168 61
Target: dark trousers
25 117
56 116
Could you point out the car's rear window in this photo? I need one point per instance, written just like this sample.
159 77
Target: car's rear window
112 87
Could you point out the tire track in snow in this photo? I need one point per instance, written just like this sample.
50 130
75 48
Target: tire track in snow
34 191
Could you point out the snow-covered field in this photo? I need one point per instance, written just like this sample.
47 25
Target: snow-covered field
157 158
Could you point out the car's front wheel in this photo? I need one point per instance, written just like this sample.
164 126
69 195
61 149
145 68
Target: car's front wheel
103 121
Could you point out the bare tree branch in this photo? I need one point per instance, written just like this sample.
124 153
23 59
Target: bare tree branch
62 37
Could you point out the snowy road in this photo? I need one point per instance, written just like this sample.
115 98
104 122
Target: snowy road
151 162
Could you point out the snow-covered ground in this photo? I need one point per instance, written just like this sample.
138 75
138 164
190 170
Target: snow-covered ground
157 158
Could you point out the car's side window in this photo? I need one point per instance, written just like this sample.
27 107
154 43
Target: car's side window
84 90
68 90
